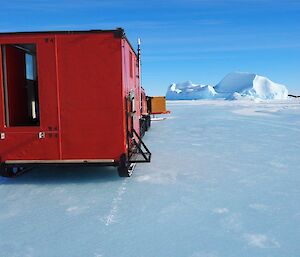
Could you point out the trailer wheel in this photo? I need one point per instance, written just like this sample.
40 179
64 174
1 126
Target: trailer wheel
6 171
12 171
148 122
143 126
125 169
124 172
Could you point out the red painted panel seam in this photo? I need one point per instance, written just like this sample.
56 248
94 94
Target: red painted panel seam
58 98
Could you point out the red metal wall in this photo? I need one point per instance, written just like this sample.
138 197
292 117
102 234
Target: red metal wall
81 96
1 95
90 82
144 109
131 82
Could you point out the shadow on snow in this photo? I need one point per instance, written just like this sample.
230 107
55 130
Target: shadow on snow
72 174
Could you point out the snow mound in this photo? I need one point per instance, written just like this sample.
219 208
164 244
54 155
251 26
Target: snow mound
189 91
236 85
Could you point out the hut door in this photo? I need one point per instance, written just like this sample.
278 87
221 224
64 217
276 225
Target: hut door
30 93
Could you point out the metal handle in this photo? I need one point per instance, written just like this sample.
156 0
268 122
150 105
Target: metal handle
42 135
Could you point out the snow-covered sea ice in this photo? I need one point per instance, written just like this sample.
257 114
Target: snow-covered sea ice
223 182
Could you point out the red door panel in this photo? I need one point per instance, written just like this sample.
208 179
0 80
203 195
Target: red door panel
16 81
23 142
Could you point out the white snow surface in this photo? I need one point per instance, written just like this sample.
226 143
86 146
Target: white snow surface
223 182
236 85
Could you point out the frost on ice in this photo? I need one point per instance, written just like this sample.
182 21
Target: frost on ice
236 85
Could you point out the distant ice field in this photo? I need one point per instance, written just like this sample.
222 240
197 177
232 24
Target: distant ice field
224 181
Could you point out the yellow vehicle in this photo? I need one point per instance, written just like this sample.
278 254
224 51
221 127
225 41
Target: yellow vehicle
157 105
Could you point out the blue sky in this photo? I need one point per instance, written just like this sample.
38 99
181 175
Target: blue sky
197 40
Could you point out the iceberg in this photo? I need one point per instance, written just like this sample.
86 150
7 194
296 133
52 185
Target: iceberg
249 85
189 91
236 85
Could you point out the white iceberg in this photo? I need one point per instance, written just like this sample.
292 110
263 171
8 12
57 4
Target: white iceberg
249 85
236 85
190 91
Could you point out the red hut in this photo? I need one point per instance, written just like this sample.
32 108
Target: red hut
69 97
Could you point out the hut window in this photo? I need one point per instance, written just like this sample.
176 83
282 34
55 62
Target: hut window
20 84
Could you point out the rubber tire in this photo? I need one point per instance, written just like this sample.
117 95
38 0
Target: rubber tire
148 122
123 167
124 172
6 171
143 127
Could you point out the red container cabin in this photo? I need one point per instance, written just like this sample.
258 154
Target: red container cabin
69 97
145 121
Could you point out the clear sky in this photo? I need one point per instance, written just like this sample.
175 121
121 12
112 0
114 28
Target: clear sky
197 40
